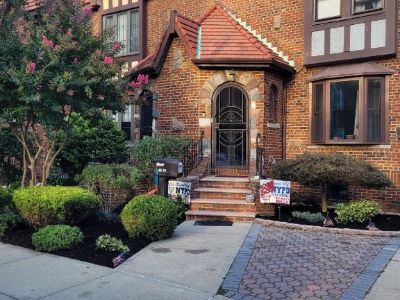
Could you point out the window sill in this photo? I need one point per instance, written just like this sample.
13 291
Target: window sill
370 146
352 16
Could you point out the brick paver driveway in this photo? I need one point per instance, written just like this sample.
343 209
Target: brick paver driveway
293 264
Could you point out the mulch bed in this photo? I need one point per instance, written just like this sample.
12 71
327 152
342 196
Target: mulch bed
92 228
384 222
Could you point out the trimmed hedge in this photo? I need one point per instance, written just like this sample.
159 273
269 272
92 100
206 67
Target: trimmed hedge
151 217
357 211
109 243
57 237
45 205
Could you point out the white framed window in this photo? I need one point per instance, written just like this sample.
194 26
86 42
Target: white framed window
326 9
125 26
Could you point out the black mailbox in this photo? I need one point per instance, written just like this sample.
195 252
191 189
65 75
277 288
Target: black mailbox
167 169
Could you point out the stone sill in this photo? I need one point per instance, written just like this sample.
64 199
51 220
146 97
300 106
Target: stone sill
311 228
274 125
350 145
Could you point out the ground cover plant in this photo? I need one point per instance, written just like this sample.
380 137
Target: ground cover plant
308 216
8 221
111 244
357 211
151 217
46 205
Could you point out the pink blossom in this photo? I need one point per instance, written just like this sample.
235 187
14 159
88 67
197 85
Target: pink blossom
97 52
31 67
117 46
135 84
69 31
57 47
108 60
87 10
143 79
48 43
75 61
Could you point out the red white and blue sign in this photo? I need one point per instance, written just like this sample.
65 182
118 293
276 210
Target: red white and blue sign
275 191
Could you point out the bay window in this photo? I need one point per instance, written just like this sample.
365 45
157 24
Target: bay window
125 28
349 111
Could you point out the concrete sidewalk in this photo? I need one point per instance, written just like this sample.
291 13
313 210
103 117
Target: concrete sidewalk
190 265
387 286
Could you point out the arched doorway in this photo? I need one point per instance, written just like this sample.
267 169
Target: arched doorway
230 128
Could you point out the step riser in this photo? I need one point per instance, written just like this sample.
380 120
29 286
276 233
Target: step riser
223 207
220 218
216 195
224 185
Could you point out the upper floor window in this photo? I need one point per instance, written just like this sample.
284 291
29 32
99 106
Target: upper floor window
325 9
367 5
125 26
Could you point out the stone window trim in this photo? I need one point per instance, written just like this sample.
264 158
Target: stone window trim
388 13
131 5
363 111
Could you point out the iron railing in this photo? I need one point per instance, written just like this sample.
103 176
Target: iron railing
193 155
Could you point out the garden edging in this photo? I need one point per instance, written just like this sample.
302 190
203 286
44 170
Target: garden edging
311 228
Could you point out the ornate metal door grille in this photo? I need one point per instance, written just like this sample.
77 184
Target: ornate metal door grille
230 128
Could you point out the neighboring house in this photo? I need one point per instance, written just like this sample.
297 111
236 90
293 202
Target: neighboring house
290 76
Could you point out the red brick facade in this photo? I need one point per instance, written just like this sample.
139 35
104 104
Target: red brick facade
185 90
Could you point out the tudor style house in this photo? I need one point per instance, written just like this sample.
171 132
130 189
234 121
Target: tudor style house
264 81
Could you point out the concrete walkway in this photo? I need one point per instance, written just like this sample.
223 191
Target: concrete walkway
190 265
387 286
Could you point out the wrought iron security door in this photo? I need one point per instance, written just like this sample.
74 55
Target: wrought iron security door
230 128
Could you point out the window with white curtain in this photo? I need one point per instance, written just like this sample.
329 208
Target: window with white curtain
125 26
325 9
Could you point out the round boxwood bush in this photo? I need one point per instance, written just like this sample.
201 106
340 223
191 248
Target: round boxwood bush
57 237
46 205
151 217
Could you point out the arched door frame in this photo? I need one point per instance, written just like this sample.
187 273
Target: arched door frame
214 125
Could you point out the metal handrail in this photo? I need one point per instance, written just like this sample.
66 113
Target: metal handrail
193 154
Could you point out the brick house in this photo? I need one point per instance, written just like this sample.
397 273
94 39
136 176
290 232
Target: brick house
284 76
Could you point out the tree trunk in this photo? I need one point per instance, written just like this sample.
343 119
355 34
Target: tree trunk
25 168
324 203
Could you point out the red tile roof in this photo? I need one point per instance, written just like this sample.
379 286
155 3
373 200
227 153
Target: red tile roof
218 37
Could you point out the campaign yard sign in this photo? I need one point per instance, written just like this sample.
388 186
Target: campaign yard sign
275 191
184 189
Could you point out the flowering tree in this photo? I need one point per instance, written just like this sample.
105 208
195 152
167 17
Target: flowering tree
52 65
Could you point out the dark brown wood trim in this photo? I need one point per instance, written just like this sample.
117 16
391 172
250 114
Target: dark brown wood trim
388 12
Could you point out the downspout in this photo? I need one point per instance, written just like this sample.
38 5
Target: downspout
284 116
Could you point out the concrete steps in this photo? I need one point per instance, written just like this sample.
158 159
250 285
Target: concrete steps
222 198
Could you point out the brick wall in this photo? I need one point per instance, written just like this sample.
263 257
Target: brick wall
187 105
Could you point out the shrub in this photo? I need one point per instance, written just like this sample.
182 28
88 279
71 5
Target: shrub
93 140
44 205
308 216
151 217
10 149
8 221
181 209
356 211
322 170
113 184
5 198
149 149
111 244
57 237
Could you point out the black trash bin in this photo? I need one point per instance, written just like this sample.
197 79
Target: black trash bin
167 169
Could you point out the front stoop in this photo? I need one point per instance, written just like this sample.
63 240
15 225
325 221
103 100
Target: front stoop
222 198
